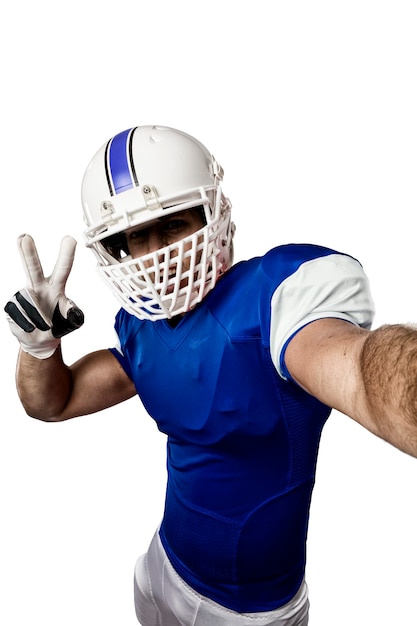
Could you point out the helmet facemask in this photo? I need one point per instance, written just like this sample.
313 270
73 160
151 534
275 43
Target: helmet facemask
174 279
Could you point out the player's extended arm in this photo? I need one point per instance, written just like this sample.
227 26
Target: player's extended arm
39 315
370 376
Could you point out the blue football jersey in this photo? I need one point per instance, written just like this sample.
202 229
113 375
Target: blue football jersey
242 437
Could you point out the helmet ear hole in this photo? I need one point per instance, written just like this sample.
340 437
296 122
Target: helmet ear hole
116 246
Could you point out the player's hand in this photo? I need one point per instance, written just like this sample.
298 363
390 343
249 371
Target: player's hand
40 313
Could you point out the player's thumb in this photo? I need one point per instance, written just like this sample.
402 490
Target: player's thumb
66 317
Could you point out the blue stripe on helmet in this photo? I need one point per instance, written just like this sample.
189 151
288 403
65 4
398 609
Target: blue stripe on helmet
118 162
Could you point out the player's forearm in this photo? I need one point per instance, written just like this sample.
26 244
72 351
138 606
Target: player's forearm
389 371
43 385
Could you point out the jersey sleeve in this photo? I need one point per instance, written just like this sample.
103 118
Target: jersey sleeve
118 350
330 286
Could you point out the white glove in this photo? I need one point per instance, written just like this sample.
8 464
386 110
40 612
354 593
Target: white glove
40 314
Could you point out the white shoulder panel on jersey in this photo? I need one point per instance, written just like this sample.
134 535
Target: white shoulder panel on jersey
330 286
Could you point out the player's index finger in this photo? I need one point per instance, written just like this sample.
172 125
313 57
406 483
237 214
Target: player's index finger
30 259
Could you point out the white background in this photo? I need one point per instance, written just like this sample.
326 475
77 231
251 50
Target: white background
310 106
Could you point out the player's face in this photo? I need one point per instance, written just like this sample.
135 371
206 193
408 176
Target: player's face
141 241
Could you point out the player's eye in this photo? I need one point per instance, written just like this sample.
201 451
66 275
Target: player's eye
138 235
174 224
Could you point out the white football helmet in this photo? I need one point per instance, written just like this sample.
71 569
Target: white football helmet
142 175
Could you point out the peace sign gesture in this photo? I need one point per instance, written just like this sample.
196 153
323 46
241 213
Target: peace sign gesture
40 313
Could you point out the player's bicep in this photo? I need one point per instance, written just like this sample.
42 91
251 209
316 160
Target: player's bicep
323 358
